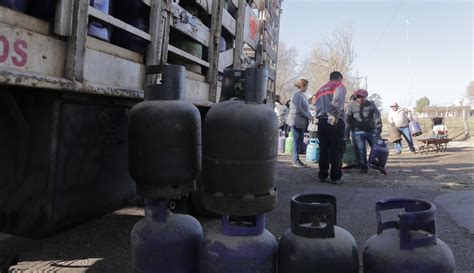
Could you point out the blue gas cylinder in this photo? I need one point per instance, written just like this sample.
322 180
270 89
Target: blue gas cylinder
312 151
18 5
415 128
314 243
164 241
135 13
408 244
378 154
243 245
97 28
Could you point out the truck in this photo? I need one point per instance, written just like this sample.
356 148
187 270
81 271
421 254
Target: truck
70 70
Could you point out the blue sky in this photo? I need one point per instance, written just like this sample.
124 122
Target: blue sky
436 60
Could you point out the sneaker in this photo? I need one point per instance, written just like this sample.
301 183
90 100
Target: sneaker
363 170
322 180
301 163
337 181
297 163
379 168
397 152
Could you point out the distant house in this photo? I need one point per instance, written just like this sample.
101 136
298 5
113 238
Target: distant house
446 111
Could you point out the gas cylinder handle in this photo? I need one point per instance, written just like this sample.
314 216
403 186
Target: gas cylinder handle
309 206
157 209
418 216
230 229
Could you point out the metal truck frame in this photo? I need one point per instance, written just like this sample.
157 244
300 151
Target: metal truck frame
65 97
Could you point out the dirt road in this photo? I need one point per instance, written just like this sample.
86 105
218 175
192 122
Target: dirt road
102 245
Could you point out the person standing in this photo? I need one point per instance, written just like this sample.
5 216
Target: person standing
313 124
365 124
400 118
330 113
281 111
298 118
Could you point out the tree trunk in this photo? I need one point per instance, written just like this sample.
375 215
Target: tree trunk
466 125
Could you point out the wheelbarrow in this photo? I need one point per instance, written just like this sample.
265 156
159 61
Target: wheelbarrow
435 144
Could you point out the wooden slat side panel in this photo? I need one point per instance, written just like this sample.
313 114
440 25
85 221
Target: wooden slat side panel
114 50
206 5
214 35
110 70
228 22
76 43
196 90
154 49
29 51
188 24
18 19
186 55
226 59
118 23
270 50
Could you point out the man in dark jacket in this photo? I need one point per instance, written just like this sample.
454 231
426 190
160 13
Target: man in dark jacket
330 113
363 120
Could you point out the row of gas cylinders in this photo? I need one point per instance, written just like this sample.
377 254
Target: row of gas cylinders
172 242
166 156
133 12
238 181
378 156
310 146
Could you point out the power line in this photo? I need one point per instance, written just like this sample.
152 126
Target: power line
379 40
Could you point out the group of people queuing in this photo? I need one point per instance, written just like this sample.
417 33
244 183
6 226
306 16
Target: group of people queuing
327 116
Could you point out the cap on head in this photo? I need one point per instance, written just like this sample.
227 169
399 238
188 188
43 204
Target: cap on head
361 93
394 104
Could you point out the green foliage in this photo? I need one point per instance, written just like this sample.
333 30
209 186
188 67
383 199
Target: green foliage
421 104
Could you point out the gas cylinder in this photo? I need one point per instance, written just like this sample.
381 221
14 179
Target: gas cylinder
96 27
394 134
378 154
409 244
281 142
240 149
42 9
164 241
305 143
135 13
18 5
414 127
314 243
289 143
243 245
349 157
164 136
312 151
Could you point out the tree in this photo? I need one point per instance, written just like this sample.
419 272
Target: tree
470 91
376 99
286 74
421 104
333 52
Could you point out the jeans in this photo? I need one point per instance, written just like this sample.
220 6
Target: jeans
359 139
406 134
331 149
298 135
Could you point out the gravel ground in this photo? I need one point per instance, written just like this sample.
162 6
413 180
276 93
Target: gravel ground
102 245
